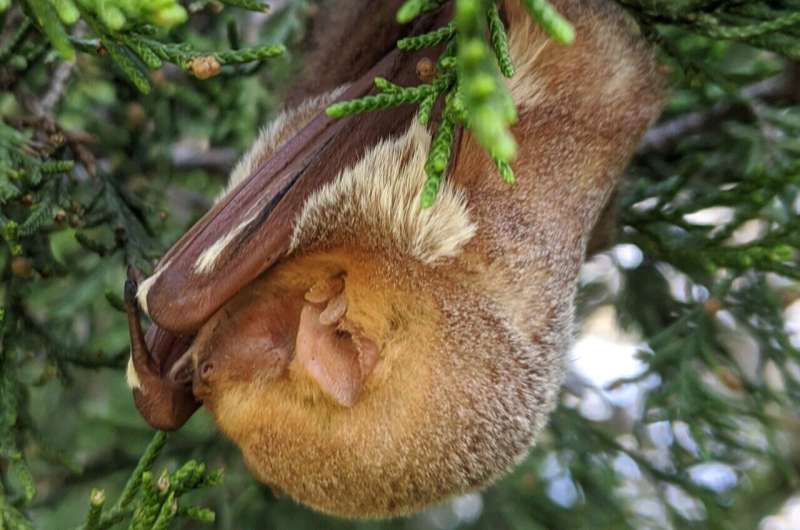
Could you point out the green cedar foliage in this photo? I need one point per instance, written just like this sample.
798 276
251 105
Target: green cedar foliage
96 175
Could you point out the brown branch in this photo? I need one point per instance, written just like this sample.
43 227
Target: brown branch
664 136
219 160
58 85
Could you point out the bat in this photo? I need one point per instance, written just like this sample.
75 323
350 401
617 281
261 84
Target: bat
368 356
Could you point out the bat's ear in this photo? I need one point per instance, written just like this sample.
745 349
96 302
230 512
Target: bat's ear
336 356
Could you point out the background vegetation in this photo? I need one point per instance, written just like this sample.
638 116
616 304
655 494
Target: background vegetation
119 123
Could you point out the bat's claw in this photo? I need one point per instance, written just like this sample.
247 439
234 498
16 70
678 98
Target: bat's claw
135 277
130 293
164 401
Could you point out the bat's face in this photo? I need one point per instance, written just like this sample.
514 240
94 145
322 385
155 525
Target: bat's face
364 389
292 320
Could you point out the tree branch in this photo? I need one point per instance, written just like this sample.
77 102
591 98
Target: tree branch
664 136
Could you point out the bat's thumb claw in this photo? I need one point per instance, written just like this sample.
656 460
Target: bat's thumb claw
130 292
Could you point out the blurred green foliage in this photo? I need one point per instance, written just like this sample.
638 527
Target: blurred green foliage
95 175
131 33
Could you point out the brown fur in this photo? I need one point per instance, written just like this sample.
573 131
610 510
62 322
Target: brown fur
472 342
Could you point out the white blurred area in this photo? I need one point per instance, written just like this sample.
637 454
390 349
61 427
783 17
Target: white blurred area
604 355
603 361
788 518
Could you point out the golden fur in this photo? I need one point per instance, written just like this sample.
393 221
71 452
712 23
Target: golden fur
471 303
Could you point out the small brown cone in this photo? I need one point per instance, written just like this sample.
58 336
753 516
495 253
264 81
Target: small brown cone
204 67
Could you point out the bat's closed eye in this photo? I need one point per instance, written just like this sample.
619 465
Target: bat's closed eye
207 370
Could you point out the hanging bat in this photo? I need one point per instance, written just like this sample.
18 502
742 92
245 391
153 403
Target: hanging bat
371 357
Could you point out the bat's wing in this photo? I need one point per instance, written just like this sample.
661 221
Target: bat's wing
245 233
250 228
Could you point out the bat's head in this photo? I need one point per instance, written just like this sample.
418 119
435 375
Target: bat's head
369 372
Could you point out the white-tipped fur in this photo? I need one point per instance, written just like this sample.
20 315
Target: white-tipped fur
131 377
144 287
380 196
527 41
525 87
276 133
208 259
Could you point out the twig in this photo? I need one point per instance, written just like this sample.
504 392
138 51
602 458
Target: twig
665 135
220 160
58 85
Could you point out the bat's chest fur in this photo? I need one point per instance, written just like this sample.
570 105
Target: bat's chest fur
442 415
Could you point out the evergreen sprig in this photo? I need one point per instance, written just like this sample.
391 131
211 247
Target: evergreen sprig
713 27
497 33
386 86
553 23
438 158
411 9
124 61
143 51
250 5
478 97
427 40
487 107
247 55
119 33
148 503
20 167
71 217
393 98
53 16
769 25
490 110
46 18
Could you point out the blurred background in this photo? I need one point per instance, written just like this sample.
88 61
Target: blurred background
681 408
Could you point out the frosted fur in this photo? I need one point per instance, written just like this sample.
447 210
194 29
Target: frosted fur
269 140
378 201
208 258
